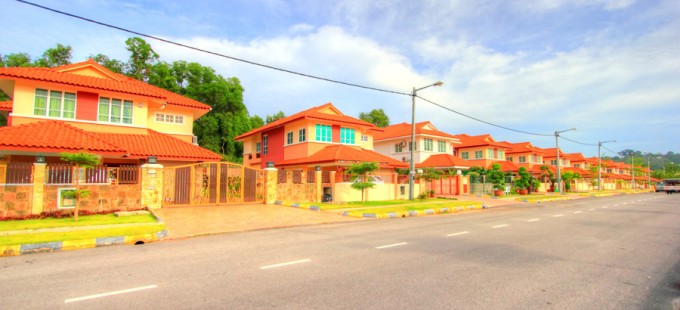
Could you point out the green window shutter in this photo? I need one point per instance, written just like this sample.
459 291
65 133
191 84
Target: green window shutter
40 106
127 112
55 104
69 105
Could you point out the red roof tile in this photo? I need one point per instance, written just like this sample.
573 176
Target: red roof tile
56 136
53 136
116 82
405 130
342 154
6 105
444 161
480 140
313 113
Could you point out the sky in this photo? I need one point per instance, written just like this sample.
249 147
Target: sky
609 68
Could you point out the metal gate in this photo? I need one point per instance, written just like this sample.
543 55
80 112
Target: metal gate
445 186
212 184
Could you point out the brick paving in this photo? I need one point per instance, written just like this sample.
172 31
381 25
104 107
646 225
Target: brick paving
182 222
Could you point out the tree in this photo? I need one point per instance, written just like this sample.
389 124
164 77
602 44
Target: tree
567 176
524 180
376 117
142 57
256 122
496 176
54 57
15 60
273 118
363 180
80 160
430 174
548 176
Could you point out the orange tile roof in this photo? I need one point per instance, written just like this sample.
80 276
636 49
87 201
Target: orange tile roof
6 105
314 114
345 155
444 161
117 82
505 165
405 130
480 140
55 136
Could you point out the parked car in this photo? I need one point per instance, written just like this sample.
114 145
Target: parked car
659 187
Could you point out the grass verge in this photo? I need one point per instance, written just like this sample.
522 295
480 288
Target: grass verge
416 207
86 220
80 234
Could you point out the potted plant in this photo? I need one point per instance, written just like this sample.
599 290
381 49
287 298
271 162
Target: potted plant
523 181
497 178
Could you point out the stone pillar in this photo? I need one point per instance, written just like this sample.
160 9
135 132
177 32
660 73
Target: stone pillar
152 186
319 185
270 175
38 187
3 170
333 192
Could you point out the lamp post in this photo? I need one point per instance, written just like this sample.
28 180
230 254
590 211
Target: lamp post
557 149
412 171
632 171
599 167
664 165
649 173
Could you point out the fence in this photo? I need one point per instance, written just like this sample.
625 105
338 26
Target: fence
19 173
63 174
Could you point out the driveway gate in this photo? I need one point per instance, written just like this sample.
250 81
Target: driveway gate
212 184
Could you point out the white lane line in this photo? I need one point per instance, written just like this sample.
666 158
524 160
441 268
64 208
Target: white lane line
577 212
605 207
533 220
500 226
458 233
390 245
616 205
110 293
286 264
558 215
591 209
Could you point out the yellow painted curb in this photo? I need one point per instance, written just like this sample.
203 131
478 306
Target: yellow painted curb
144 238
10 250
78 244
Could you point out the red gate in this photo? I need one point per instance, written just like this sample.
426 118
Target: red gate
445 186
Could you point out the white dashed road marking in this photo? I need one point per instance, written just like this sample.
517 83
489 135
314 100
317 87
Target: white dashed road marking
558 215
110 293
577 212
533 220
286 264
500 226
591 209
390 245
458 233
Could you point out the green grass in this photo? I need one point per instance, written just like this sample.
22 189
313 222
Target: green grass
85 220
358 204
417 207
535 198
80 234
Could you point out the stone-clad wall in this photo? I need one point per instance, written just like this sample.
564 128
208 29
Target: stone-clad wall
102 197
15 200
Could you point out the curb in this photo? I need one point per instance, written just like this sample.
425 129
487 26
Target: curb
413 213
77 244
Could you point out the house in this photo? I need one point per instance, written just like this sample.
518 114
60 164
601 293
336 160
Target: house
86 107
395 141
525 154
483 151
323 139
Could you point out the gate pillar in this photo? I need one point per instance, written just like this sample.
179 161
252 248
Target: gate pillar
270 176
152 185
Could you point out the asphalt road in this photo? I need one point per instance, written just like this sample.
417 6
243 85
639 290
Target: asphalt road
620 252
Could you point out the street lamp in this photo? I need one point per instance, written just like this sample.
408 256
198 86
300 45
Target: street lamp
599 167
632 171
557 149
649 173
412 171
663 162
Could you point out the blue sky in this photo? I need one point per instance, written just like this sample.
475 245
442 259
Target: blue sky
608 67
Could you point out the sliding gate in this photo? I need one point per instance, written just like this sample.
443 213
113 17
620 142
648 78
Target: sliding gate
212 184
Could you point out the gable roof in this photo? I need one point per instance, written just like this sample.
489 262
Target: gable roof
480 140
53 136
444 161
520 147
342 154
112 82
6 105
327 113
405 129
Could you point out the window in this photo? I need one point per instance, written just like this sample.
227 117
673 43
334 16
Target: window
347 135
54 104
289 138
441 146
323 133
169 118
265 140
257 147
428 144
539 159
522 159
464 155
398 148
553 162
489 153
410 145
577 165
510 159
501 154
116 111
479 154
302 135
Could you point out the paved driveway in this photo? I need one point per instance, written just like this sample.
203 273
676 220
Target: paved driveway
184 222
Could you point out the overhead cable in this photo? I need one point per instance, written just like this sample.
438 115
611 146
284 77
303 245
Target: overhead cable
582 143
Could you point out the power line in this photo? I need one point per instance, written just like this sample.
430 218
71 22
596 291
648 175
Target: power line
581 143
214 53
614 153
483 121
